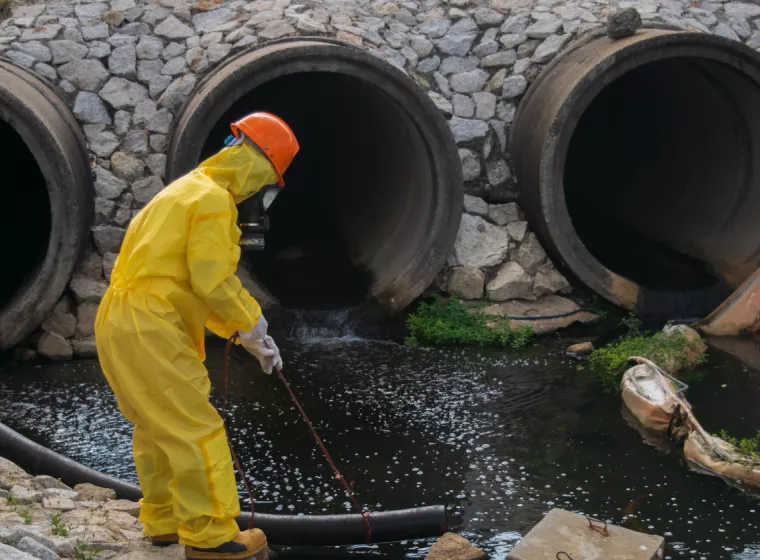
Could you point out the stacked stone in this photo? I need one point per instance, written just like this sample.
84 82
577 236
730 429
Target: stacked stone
42 518
127 66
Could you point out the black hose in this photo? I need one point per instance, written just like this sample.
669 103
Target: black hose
287 530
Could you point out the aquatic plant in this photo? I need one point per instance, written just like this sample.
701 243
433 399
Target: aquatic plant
671 350
449 322
748 446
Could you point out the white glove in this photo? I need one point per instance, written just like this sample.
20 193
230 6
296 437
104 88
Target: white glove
262 346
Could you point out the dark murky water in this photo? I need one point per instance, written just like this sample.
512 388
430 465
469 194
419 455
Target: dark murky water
498 437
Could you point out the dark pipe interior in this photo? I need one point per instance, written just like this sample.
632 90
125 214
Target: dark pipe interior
659 170
25 219
347 213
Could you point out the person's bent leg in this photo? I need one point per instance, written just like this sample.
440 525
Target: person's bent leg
155 474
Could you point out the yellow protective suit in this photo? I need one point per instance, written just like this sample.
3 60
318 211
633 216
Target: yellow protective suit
174 276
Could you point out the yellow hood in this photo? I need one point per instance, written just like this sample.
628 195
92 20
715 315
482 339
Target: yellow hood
240 170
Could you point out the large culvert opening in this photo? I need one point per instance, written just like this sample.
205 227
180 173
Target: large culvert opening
372 201
656 168
25 218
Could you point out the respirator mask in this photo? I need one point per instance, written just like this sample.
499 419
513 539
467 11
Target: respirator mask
252 213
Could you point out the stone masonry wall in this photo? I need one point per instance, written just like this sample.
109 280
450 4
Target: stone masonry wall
126 66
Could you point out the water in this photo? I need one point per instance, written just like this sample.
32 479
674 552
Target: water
498 437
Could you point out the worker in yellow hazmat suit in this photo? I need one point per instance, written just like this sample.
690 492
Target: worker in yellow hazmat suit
175 275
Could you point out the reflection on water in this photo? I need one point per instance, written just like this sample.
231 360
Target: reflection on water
498 437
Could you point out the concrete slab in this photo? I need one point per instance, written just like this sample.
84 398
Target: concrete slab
563 531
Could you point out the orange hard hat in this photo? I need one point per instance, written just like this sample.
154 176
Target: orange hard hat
272 136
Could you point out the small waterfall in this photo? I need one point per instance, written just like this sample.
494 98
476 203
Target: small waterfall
318 326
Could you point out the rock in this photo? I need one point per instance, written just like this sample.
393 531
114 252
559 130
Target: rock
63 504
11 474
147 70
40 33
741 10
497 81
67 51
723 30
103 210
109 261
503 58
86 74
470 172
20 494
512 40
276 29
530 255
197 60
157 164
127 166
175 66
420 45
63 324
177 92
145 189
581 349
544 28
89 108
695 348
465 130
135 29
132 508
107 240
480 244
435 28
10 553
463 105
510 282
458 44
517 231
218 52
37 50
123 62
469 82
466 282
88 290
99 49
149 48
91 493
453 547
503 214
514 86
487 18
172 28
429 64
22 59
208 21
136 142
623 23
108 185
95 32
547 305
45 482
549 281
443 104
46 71
497 172
54 347
85 348
121 94
549 48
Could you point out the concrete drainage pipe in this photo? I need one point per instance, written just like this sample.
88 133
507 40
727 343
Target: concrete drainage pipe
639 164
47 201
373 200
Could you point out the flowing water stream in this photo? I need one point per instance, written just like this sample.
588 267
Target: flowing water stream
498 437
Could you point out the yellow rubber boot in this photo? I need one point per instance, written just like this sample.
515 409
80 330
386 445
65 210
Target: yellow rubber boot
251 544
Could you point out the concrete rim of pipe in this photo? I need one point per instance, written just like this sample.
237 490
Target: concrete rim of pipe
654 211
397 200
55 226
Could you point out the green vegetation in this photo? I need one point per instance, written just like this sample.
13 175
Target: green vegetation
448 322
26 515
60 529
83 551
748 446
668 350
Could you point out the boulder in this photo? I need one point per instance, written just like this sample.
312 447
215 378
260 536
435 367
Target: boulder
453 547
91 493
466 282
511 282
480 244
